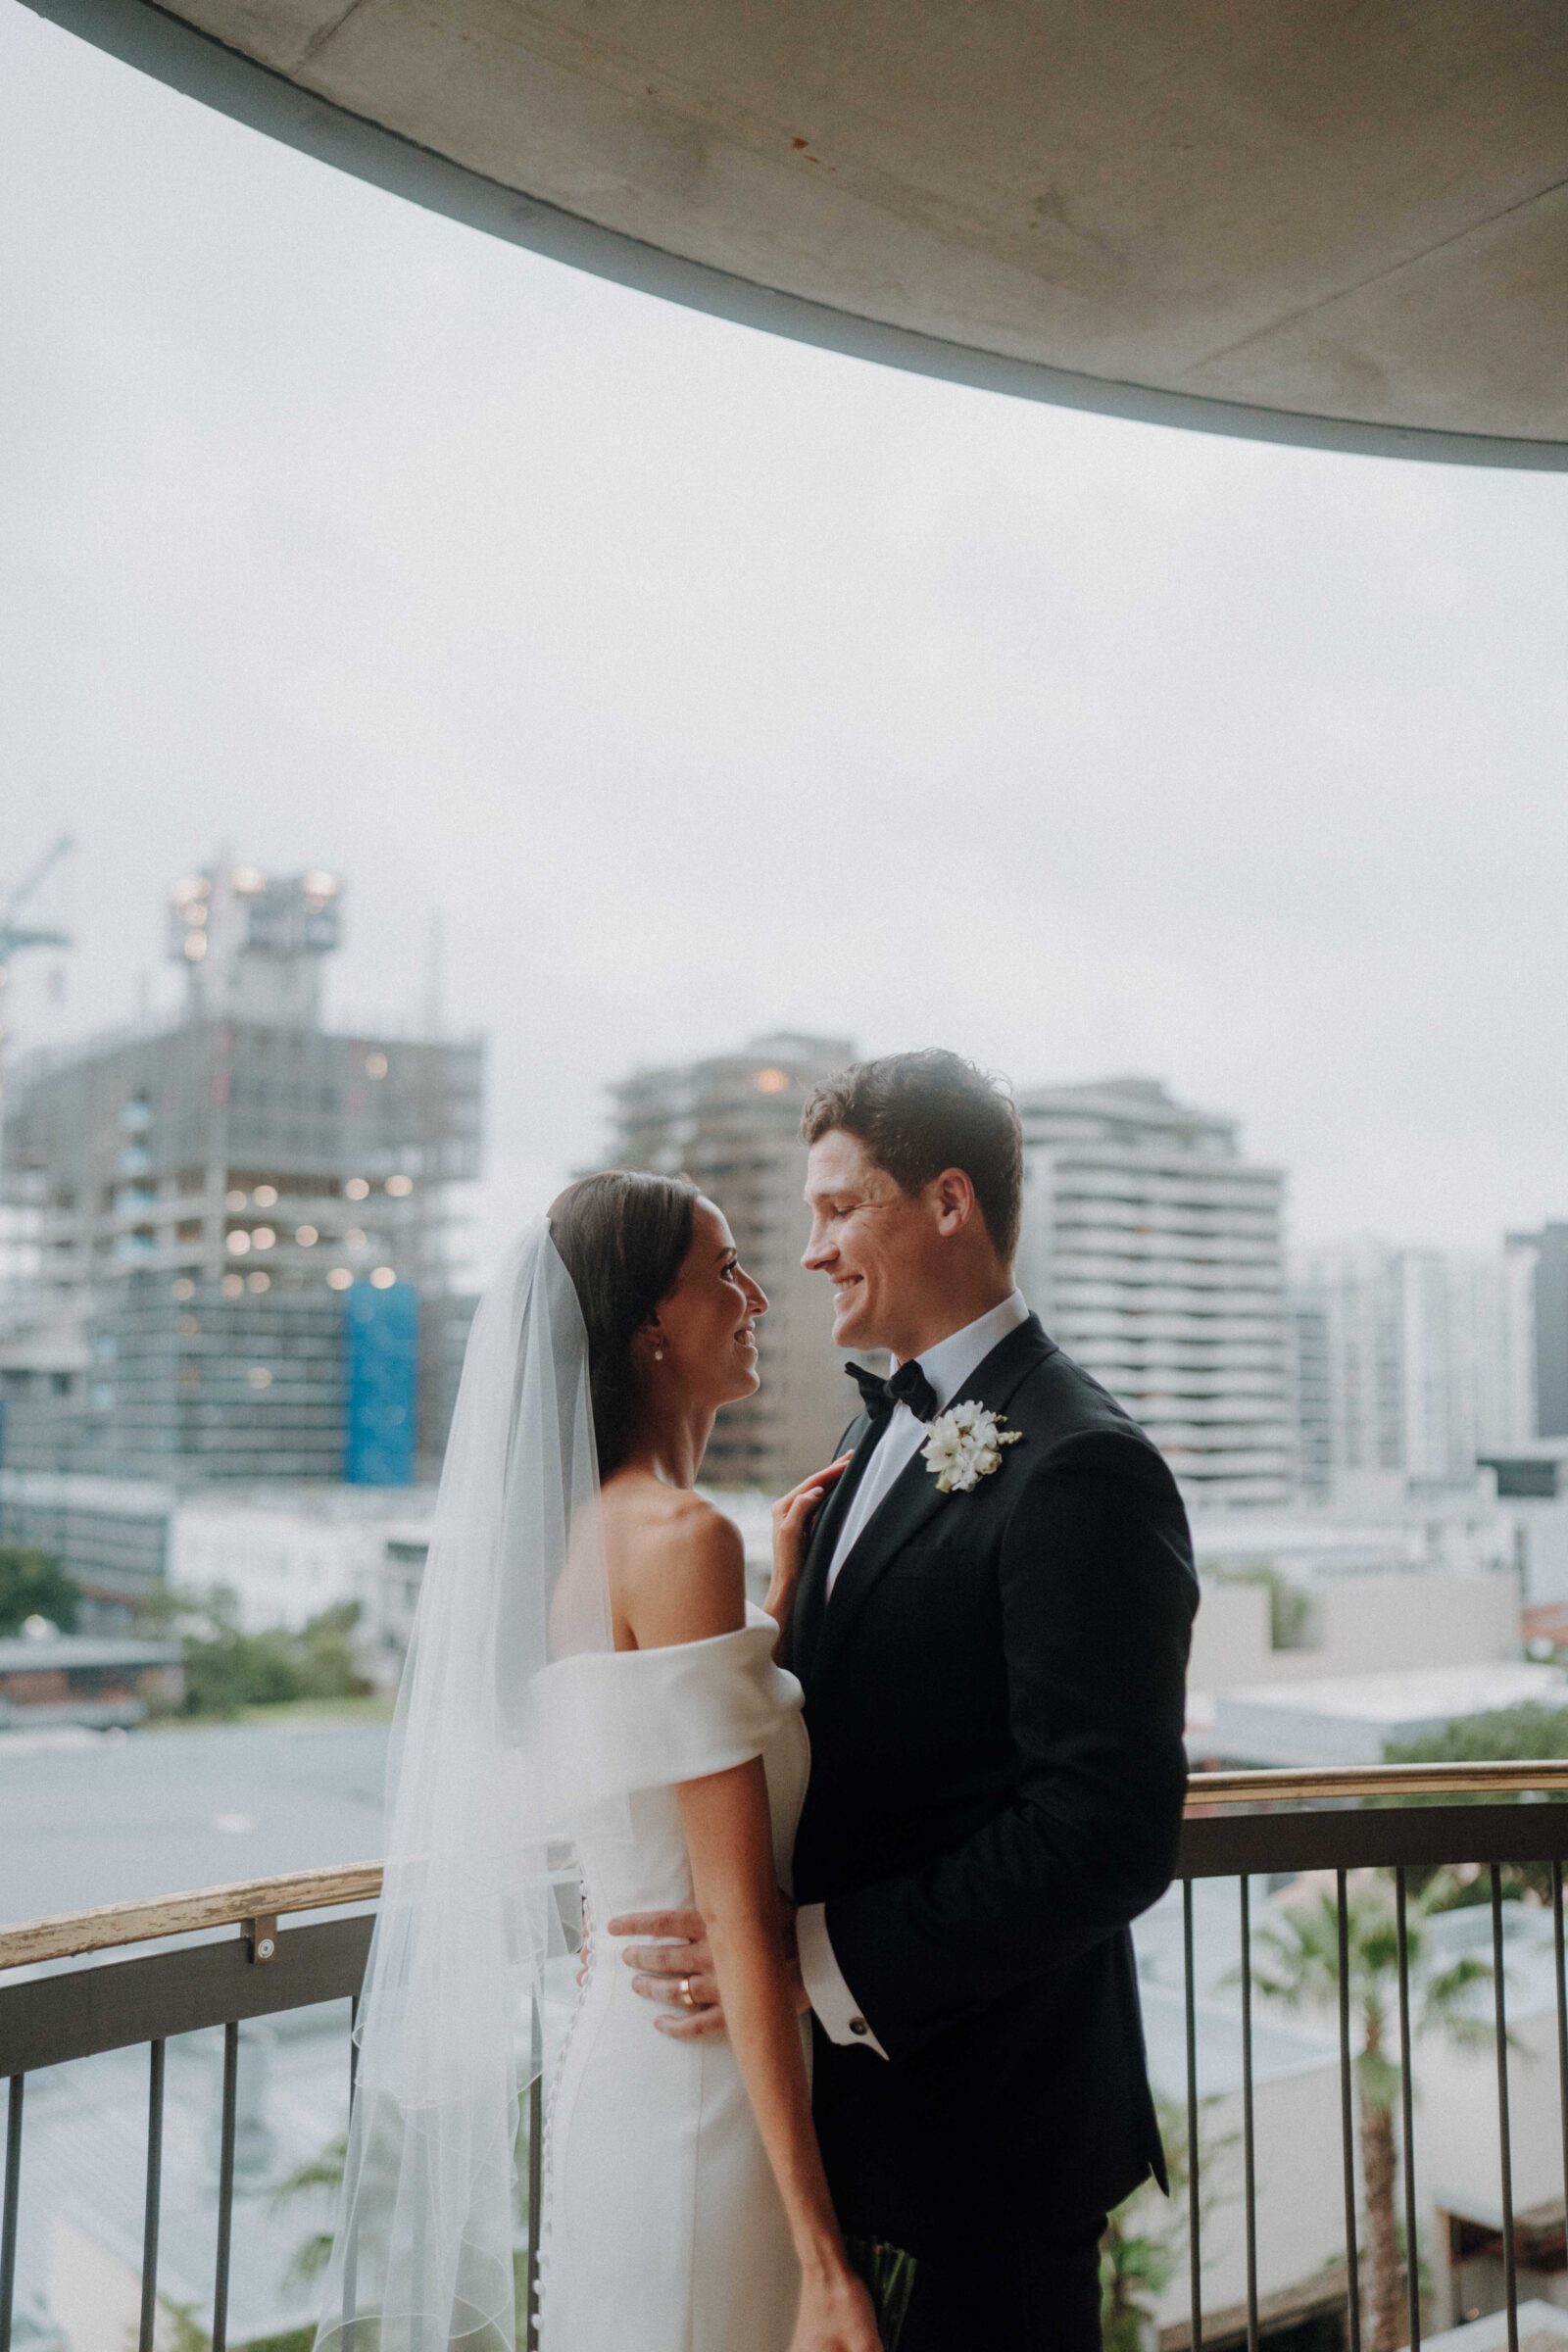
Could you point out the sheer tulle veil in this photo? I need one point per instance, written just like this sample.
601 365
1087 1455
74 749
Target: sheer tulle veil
490 1767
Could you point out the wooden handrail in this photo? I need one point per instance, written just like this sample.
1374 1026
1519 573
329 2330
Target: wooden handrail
74 1933
1336 1784
71 1933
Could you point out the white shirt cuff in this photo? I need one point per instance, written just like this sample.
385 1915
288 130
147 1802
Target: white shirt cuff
831 1998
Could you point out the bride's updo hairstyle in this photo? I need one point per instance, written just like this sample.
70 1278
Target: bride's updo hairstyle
622 1237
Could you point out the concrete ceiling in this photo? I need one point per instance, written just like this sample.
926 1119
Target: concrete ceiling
1336 221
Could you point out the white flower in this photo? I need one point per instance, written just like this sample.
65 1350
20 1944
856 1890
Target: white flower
965 1446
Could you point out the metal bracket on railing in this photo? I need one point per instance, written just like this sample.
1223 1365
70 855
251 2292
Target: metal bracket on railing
261 1934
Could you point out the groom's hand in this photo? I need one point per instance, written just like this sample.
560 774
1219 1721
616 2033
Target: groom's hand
668 1972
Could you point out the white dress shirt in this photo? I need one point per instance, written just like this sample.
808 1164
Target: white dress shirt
947 1366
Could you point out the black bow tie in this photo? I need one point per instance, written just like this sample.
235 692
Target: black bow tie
908 1386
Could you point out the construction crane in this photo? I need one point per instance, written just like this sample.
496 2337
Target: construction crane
15 935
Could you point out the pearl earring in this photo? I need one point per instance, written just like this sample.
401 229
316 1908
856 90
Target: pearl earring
659 1355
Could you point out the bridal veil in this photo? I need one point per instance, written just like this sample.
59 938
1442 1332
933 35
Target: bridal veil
491 1766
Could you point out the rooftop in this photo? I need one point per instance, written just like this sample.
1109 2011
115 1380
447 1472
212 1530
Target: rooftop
1350 1719
1415 1695
54 1654
1543 2328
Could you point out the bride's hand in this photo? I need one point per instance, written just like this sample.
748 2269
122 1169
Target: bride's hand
836 2315
793 1514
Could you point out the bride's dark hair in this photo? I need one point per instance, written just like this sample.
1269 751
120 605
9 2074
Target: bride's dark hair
622 1237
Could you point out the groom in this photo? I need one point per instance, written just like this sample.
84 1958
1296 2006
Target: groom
992 1628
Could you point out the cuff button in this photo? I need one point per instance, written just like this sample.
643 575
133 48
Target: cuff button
857 2025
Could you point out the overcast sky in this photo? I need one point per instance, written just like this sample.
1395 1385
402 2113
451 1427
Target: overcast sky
703 684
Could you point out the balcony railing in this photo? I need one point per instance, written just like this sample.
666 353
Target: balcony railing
1240 1826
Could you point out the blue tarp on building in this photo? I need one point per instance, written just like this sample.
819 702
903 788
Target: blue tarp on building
381 1349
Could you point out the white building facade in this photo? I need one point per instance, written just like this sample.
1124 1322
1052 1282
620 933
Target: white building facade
1414 1363
287 1553
1154 1251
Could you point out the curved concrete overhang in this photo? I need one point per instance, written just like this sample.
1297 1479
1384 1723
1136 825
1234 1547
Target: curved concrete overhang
1344 227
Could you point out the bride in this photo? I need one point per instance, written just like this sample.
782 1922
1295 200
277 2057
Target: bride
592 1710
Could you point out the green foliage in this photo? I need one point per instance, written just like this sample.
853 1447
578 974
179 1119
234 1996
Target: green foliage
322 2173
184 2334
1296 1962
1146 2238
33 1585
1527 1732
322 2176
227 1668
1134 2271
325 1666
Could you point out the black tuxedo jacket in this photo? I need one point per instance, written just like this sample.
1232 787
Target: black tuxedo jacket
994 1692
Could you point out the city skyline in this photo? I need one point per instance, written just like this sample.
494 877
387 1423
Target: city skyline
707 685
492 1221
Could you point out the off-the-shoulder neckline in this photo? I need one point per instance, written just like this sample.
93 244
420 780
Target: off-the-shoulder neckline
757 1621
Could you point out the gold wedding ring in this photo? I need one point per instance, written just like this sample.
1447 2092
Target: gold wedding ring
686 1992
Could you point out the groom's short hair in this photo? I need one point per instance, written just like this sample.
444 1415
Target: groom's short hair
918 1113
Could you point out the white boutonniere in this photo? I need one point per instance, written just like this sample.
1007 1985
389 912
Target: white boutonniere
965 1446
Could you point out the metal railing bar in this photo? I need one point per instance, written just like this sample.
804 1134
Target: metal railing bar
536 2174
155 2184
1248 2135
1501 2010
8 2210
225 2186
49 2019
1195 2248
1353 2251
111 2005
68 1935
351 2248
1412 2263
1562 2018
1225 1846
351 2280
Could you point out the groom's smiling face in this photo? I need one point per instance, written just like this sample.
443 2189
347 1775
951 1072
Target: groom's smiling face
871 1238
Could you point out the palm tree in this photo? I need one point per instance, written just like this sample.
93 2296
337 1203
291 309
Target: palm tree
322 2176
180 2331
1135 2269
322 2173
1297 1964
1146 2238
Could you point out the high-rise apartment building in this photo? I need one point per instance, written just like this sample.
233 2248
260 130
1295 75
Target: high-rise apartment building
1428 1356
240 1219
1352 1292
1545 1258
1314 1390
1153 1251
732 1124
1469 1369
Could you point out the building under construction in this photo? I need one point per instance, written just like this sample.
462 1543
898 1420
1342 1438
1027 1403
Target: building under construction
238 1221
733 1122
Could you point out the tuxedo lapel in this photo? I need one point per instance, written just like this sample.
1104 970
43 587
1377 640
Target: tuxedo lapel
913 1499
823 1541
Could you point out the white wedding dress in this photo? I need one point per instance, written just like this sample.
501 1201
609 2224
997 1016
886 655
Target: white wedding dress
663 2230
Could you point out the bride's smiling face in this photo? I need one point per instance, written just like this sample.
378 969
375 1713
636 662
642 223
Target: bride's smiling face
707 1325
